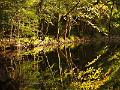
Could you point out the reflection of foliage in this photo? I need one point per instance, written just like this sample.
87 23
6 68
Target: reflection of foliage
29 74
48 81
89 79
100 53
114 80
102 72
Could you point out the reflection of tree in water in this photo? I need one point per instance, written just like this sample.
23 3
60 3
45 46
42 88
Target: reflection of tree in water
92 76
6 82
64 70
67 68
112 64
109 61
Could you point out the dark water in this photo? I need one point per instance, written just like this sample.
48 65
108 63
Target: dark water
93 66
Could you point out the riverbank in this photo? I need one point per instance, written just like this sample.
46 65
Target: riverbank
33 42
30 43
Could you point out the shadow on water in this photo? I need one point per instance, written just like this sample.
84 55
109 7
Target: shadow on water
87 66
6 82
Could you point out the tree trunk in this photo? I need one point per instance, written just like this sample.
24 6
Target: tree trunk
69 25
66 28
110 20
65 31
58 31
39 7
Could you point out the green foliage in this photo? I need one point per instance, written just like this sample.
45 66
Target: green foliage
25 18
114 80
29 75
88 79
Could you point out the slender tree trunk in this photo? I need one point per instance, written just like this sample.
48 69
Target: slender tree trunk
47 29
69 25
66 28
38 12
70 59
79 28
60 67
39 7
59 17
65 32
66 56
58 31
11 32
110 20
18 36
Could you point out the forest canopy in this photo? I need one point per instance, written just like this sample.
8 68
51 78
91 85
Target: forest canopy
59 18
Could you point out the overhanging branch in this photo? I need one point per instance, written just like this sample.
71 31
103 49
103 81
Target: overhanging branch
72 8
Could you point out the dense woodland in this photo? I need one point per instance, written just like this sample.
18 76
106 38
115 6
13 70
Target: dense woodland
42 44
59 18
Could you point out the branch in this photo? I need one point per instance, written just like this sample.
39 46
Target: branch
72 8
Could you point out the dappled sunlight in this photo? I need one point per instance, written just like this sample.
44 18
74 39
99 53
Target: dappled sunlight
59 44
62 68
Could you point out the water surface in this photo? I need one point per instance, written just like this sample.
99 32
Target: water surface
87 66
